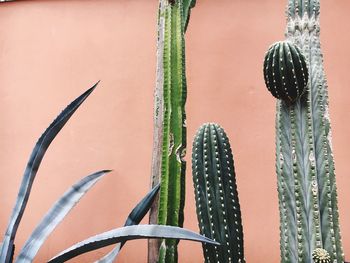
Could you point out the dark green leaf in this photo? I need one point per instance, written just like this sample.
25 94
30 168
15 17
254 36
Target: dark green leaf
134 218
141 209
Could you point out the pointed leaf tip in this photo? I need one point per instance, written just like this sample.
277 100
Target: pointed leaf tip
134 218
96 175
56 214
90 90
32 168
95 85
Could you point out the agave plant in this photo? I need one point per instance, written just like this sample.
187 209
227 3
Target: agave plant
65 204
69 199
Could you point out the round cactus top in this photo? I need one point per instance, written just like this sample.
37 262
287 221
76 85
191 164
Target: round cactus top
285 71
320 255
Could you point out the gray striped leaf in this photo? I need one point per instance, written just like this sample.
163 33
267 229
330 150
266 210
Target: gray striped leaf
31 171
129 233
55 215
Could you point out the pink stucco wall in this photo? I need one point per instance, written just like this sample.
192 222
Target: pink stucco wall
53 50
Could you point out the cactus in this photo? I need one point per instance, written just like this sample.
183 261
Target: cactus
321 256
217 203
285 71
309 219
169 145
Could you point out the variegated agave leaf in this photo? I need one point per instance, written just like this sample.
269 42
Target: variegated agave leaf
134 218
31 170
55 215
129 233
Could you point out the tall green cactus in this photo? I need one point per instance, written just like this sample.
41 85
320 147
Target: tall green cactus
218 208
169 146
304 159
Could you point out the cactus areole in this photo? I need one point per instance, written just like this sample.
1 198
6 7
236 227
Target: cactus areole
320 255
285 71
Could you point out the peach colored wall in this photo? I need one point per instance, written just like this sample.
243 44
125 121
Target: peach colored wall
53 50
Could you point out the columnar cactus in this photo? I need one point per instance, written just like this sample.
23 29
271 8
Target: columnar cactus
304 159
169 146
218 208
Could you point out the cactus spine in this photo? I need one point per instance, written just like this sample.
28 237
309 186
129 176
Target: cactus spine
218 208
169 146
304 159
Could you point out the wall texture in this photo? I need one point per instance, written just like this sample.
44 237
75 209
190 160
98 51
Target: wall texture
50 51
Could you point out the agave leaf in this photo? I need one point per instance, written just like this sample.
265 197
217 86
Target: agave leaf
111 256
141 209
129 233
134 218
31 170
55 215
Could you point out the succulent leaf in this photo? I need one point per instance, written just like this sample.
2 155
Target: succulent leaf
134 218
129 233
55 215
31 170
